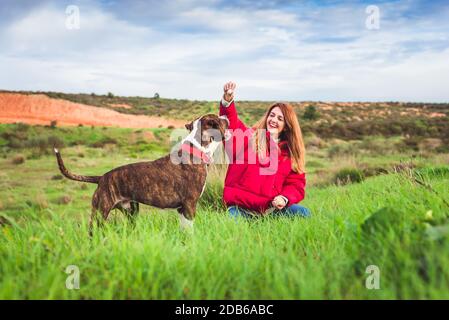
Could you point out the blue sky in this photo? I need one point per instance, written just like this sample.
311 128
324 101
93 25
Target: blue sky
273 50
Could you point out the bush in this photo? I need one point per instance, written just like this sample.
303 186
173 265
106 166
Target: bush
19 159
348 175
4 221
430 144
15 143
374 171
310 113
55 142
315 164
410 143
22 126
65 199
315 142
101 143
38 143
44 145
341 149
444 148
372 145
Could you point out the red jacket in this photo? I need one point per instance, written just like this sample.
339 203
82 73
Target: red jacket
253 186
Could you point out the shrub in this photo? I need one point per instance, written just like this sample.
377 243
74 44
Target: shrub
348 175
403 166
53 124
410 143
22 126
341 149
375 146
55 142
44 145
430 144
444 148
41 201
315 142
101 143
110 95
64 199
19 159
310 113
15 143
314 164
373 171
4 221
38 143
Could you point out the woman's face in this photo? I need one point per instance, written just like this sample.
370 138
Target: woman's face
275 121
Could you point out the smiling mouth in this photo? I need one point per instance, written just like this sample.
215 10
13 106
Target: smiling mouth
272 126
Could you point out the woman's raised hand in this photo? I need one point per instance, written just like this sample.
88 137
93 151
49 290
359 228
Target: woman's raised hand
228 89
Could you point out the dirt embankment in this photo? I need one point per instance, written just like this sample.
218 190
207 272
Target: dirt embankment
40 109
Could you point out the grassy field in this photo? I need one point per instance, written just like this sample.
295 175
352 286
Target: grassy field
375 201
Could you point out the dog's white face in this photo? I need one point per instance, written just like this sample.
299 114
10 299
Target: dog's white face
210 130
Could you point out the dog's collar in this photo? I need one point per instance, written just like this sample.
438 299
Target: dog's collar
195 152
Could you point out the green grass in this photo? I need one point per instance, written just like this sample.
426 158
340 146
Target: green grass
397 221
322 257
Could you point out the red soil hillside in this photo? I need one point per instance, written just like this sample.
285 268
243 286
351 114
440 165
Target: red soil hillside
40 109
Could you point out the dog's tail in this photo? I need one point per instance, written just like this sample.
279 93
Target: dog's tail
66 173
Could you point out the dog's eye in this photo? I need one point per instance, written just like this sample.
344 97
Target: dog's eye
212 124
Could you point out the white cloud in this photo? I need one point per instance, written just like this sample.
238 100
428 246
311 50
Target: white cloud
272 54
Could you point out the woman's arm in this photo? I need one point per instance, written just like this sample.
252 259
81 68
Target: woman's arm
227 107
294 187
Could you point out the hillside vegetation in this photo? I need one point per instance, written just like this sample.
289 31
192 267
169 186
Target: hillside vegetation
377 187
343 120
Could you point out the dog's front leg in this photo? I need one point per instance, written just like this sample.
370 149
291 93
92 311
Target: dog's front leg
186 224
187 214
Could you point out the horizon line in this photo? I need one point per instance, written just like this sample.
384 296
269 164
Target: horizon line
218 99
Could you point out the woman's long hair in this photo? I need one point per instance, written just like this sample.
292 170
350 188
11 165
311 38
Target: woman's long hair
291 133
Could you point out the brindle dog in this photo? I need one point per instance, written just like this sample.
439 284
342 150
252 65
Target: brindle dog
163 183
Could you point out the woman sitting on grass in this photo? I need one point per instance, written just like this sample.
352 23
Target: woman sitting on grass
266 174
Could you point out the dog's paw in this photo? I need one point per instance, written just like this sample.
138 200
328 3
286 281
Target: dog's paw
186 225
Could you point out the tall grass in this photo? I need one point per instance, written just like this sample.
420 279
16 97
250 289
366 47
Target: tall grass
273 258
397 221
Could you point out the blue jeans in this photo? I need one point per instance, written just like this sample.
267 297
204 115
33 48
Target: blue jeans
295 210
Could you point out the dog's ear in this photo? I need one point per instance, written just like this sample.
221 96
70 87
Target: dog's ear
189 126
224 121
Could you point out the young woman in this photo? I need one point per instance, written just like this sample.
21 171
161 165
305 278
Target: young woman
266 174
